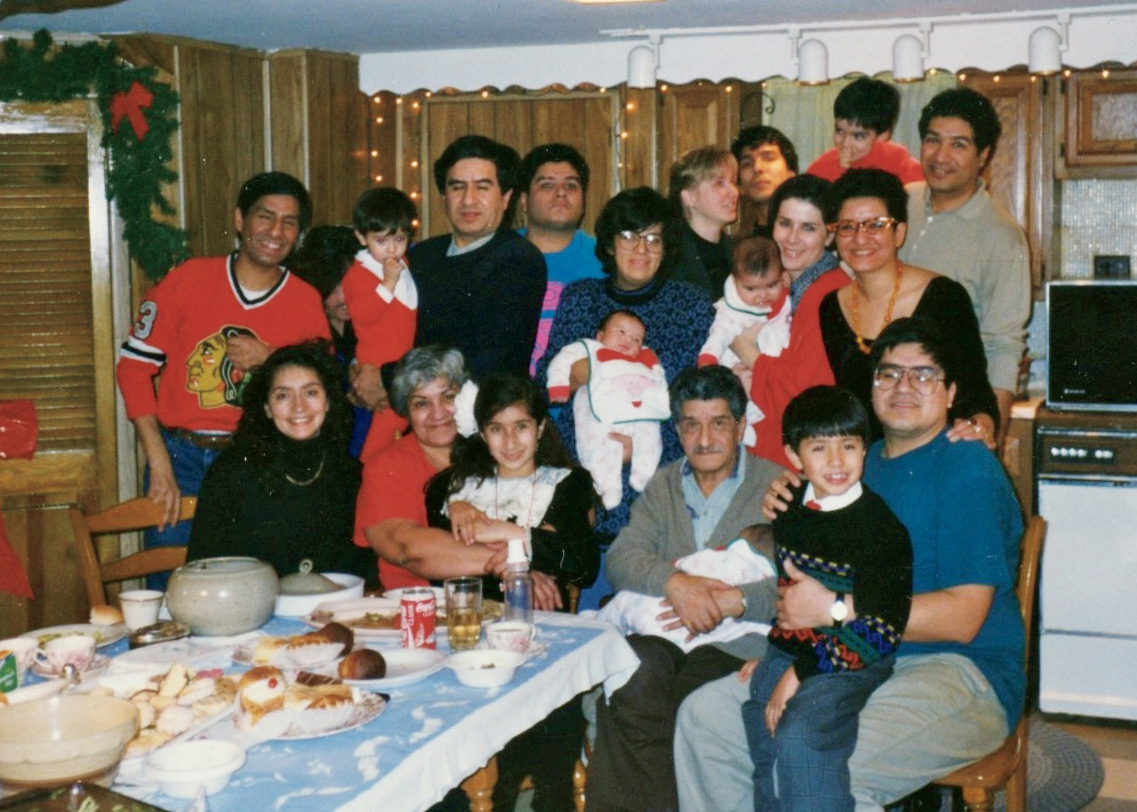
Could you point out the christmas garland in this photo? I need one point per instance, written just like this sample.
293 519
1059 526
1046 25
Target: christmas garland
139 120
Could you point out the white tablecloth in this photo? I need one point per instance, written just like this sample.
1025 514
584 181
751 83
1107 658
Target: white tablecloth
431 736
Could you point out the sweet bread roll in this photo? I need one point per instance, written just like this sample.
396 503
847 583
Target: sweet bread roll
261 690
104 615
364 663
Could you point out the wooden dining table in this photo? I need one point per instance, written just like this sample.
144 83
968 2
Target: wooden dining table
432 736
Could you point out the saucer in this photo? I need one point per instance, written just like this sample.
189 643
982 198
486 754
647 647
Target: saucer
98 664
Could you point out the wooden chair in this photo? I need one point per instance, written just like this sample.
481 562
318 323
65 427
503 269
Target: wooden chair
133 514
1007 765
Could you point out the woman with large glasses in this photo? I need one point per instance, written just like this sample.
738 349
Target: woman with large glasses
870 225
636 244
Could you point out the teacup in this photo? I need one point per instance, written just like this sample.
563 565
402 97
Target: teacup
25 650
511 635
74 649
140 607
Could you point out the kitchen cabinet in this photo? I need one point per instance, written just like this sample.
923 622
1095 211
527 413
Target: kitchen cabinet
1100 125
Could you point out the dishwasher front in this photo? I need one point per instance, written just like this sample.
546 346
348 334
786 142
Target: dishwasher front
1087 492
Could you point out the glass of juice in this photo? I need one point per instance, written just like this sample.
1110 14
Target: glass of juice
464 611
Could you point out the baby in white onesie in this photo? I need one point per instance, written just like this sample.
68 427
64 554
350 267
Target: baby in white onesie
626 394
755 293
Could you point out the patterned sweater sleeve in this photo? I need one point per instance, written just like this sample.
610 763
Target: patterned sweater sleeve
876 570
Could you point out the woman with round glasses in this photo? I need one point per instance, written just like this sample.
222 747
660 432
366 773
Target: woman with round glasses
636 244
870 225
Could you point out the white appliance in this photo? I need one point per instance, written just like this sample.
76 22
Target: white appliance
1086 467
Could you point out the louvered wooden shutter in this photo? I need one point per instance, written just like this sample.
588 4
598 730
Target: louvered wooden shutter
46 343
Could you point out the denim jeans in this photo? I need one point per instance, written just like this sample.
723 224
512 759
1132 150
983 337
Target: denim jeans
804 765
190 464
936 713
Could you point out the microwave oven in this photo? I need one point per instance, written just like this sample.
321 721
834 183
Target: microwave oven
1092 352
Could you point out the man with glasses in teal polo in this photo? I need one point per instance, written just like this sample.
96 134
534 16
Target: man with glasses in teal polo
959 684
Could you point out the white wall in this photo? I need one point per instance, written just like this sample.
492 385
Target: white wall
989 43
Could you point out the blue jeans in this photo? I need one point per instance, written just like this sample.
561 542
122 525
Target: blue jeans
190 464
803 766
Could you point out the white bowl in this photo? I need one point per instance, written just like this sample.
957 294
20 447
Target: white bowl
301 605
64 738
485 668
181 768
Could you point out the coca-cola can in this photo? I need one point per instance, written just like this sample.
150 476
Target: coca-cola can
416 615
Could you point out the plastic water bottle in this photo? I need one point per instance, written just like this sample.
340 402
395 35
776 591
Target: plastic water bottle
517 585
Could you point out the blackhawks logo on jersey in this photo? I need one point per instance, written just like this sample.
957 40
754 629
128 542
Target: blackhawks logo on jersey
211 374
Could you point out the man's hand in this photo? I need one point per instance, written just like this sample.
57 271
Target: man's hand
783 692
367 387
978 427
624 440
693 601
777 499
805 602
164 491
546 593
246 352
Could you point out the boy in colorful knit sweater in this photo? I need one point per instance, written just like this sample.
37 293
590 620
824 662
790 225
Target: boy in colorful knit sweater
381 295
626 393
807 692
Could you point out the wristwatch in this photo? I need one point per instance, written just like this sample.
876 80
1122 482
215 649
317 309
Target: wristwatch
839 610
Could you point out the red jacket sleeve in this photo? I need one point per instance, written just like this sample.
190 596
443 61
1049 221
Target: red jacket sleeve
779 378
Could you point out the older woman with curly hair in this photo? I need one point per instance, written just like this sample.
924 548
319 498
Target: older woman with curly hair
284 490
638 245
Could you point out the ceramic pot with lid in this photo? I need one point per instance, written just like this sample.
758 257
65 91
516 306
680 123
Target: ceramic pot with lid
222 596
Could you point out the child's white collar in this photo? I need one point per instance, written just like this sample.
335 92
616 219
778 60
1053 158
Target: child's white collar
831 502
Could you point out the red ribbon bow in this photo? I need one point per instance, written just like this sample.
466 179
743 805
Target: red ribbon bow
129 105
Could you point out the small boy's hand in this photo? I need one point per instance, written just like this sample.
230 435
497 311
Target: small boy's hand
777 499
392 270
747 670
783 692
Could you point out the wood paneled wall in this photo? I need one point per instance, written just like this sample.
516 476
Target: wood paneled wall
630 137
243 112
319 128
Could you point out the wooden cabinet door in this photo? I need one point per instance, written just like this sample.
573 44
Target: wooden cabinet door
1101 124
1019 174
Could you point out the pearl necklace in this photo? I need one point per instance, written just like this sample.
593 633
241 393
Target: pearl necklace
853 311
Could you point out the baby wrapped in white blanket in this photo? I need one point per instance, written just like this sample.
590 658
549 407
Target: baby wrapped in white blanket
635 613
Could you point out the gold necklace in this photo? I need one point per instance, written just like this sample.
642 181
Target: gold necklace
302 483
853 311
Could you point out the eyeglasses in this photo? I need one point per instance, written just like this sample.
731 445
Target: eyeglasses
922 379
628 240
850 228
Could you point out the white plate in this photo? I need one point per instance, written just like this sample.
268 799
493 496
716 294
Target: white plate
368 708
104 635
345 612
405 666
300 605
245 655
98 664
